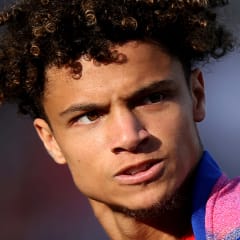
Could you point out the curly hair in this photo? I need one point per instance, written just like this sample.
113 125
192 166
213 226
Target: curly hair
36 34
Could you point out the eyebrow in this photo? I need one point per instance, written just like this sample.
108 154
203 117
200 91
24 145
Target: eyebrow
82 107
158 85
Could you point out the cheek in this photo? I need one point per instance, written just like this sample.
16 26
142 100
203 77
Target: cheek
181 135
179 139
80 147
84 156
82 160
173 125
85 172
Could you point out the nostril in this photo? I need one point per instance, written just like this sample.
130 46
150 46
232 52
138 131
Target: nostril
120 149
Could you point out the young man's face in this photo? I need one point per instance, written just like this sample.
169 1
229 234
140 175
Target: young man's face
127 131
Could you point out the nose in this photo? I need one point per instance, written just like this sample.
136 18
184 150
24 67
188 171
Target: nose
127 132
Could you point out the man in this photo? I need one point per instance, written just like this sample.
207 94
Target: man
113 92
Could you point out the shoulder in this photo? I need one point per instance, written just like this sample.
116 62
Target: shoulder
223 209
225 190
225 187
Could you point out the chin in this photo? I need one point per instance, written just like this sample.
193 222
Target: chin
150 207
154 203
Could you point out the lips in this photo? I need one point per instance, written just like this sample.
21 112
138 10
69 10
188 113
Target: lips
137 169
141 173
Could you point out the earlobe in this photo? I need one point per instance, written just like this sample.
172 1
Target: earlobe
46 135
198 95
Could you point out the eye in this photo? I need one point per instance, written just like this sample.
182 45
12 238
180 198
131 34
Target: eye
89 117
153 98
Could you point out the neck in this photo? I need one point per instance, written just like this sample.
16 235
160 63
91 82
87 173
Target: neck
168 226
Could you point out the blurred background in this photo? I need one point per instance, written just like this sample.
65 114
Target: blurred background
37 197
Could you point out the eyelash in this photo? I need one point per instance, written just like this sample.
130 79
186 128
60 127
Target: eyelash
95 115
154 98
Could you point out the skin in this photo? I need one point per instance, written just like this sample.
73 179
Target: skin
103 124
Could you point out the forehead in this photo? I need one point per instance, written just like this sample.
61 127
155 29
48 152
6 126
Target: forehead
145 62
146 55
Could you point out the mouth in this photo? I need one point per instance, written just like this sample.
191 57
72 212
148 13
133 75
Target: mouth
141 173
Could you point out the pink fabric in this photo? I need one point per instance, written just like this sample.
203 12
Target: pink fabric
222 218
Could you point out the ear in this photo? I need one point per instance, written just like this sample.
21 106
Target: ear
46 135
198 95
